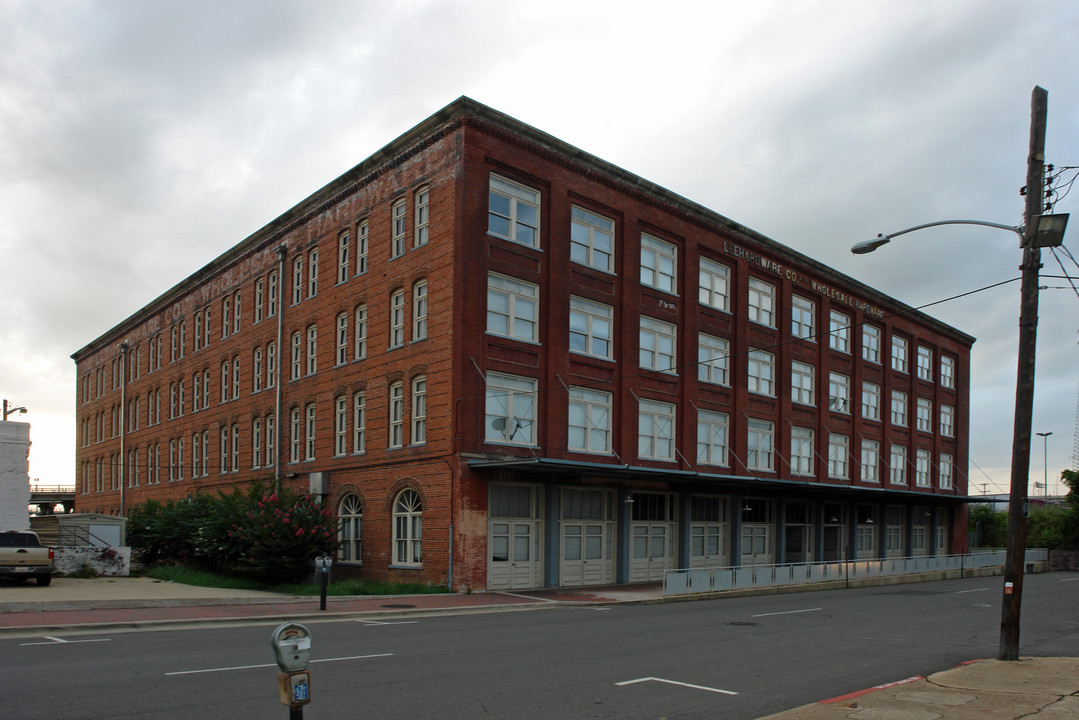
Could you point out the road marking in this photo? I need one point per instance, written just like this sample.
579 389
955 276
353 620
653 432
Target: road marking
961 592
381 622
527 597
1069 579
61 641
675 682
859 693
787 612
253 667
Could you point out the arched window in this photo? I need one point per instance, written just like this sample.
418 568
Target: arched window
350 530
407 528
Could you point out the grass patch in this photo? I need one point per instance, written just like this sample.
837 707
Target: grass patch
201 578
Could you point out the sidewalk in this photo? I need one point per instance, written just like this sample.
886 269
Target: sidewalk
982 690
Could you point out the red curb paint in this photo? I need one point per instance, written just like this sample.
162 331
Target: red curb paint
859 693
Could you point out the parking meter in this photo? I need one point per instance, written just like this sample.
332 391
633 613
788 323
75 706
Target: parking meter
323 563
292 645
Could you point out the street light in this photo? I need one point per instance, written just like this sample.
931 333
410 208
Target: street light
1045 461
9 410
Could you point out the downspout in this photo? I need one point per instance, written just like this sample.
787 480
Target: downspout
123 422
280 250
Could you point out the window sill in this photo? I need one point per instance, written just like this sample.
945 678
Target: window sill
406 567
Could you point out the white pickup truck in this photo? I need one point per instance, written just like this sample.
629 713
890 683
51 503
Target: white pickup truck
22 556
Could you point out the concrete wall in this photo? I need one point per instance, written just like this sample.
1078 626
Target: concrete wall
107 561
14 476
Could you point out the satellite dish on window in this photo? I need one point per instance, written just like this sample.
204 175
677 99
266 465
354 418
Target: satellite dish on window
499 424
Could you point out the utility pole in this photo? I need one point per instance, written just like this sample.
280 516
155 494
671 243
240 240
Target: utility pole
1024 385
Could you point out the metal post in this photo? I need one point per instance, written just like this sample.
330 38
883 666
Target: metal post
1024 386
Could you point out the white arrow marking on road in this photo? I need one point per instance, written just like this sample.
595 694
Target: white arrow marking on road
252 667
379 622
675 682
61 641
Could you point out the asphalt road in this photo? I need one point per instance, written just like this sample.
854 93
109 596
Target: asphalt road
737 658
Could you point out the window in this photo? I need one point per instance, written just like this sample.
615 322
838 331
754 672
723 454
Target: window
947 421
713 359
589 421
759 444
947 371
591 239
397 246
312 349
223 450
898 465
359 422
837 456
226 316
762 302
923 415
309 452
196 396
271 441
256 443
925 363
513 212
899 354
297 280
870 401
655 430
236 378
350 529
659 262
397 414
340 425
870 461
899 408
803 383
419 410
312 272
271 307
422 216
922 477
761 376
803 318
297 356
206 388
839 332
419 310
294 435
801 450
198 331
945 470
657 345
397 319
512 308
341 351
590 328
871 344
235 463
342 257
361 247
271 364
511 409
714 285
838 393
407 528
359 347
712 437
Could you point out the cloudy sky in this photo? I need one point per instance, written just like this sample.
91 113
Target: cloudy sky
140 138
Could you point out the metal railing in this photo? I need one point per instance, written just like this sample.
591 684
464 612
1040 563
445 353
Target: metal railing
75 536
698 580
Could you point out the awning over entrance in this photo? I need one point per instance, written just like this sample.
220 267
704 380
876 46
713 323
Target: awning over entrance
706 481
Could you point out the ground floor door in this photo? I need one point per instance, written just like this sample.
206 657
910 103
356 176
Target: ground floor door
586 537
513 538
708 531
758 531
798 533
652 533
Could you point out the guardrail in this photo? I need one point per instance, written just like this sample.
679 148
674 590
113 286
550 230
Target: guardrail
697 580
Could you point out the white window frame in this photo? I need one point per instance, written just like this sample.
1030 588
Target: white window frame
397 414
419 310
297 279
591 327
802 450
359 343
398 214
947 420
340 426
521 313
897 465
838 456
924 363
359 422
761 373
589 421
713 444
947 371
309 432
591 239
714 285
803 318
343 257
922 473
362 236
659 264
658 343
312 272
762 302
760 445
655 430
397 318
870 401
839 331
713 359
420 234
899 409
839 393
923 415
871 344
521 215
419 410
312 349
803 383
944 470
870 461
900 348
341 350
510 399
407 529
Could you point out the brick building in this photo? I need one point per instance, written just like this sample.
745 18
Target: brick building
645 384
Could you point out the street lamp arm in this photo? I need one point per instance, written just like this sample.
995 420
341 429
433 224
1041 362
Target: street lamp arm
867 246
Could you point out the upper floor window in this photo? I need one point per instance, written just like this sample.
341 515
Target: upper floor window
423 196
712 443
397 414
947 371
655 433
312 349
397 318
359 348
342 257
759 444
512 307
590 328
591 239
898 465
713 359
803 318
871 344
297 356
838 393
419 310
419 410
801 450
589 421
870 461
899 408
714 282
513 211
839 331
803 383
761 372
271 306
397 246
947 421
312 272
870 401
837 456
922 477
297 279
510 409
361 247
341 354
899 354
925 363
659 262
944 479
657 345
762 302
923 414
